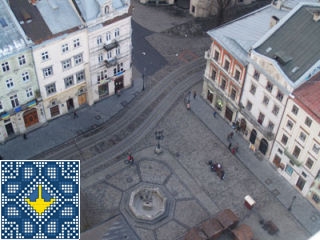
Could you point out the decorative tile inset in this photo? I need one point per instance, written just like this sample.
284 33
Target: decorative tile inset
40 199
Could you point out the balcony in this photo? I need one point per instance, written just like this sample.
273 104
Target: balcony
293 159
111 62
263 130
111 46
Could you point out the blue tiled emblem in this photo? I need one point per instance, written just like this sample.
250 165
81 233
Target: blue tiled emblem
39 200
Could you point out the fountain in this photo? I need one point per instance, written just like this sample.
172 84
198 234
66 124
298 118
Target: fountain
147 203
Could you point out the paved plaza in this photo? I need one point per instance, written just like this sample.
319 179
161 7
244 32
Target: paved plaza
191 139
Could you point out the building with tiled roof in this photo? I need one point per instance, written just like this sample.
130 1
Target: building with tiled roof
19 110
296 150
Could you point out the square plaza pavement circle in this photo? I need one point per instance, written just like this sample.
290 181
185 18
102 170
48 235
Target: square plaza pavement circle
190 202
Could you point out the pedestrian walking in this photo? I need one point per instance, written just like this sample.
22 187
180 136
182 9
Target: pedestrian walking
214 114
222 174
234 149
75 114
25 136
229 146
230 135
130 158
194 94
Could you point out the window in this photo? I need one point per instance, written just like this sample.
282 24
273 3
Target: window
295 110
47 72
253 89
100 57
279 96
249 106
109 55
316 198
78 59
108 36
106 9
289 125
99 40
308 121
118 69
216 55
223 84
5 66
261 118
51 88
302 136
237 75
309 163
25 76
256 75
265 100
68 81
22 60
76 43
300 183
270 126
117 32
65 47
80 76
275 110
289 170
66 64
9 83
29 92
44 56
213 74
284 139
226 65
101 76
233 94
14 100
296 151
315 148
1 107
118 51
269 86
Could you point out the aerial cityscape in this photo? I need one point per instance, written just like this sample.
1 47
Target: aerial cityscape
188 119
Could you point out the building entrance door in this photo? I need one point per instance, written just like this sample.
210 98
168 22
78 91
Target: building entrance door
70 104
228 114
30 117
118 83
253 136
9 128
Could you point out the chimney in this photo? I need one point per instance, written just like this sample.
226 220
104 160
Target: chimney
277 3
316 16
33 2
273 21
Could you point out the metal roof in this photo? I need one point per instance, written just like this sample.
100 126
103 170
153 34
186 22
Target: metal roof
294 44
12 37
48 17
238 36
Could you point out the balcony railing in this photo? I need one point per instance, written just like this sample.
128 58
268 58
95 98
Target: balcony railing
293 159
111 46
264 131
111 62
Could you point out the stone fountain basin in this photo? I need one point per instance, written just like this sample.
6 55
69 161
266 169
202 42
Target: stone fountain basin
147 203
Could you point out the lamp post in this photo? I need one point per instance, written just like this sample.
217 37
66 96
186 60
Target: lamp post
292 201
159 136
143 75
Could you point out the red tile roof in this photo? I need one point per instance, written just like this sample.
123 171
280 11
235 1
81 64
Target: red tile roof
307 96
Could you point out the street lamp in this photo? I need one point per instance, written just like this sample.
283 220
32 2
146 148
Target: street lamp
159 136
143 74
292 201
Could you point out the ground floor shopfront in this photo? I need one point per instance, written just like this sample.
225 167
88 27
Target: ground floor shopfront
21 120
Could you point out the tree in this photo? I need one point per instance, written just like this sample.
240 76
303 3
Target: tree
222 5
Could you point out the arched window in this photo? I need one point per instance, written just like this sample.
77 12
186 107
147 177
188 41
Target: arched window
106 10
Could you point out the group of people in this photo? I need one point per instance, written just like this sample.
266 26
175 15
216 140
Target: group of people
217 168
